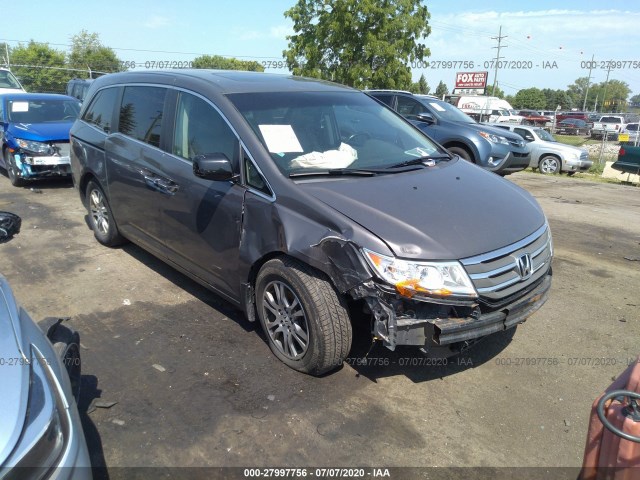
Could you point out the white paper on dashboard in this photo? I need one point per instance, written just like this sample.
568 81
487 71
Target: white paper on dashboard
280 138
20 107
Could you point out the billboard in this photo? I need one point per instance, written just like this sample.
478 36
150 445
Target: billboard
471 80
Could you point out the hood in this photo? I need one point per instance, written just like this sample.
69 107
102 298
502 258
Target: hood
451 211
13 378
560 147
41 132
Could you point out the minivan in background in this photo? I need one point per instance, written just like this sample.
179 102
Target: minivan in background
300 201
78 87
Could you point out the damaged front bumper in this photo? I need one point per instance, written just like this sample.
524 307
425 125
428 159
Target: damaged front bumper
30 165
400 321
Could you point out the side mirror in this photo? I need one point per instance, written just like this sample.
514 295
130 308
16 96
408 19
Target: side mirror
426 118
529 138
213 166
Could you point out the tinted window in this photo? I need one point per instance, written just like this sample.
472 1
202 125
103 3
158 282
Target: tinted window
253 177
409 108
7 80
385 98
201 130
141 113
100 111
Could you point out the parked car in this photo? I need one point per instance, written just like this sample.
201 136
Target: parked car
628 160
35 135
575 115
549 155
631 129
9 83
532 117
573 126
296 198
40 432
608 126
78 87
496 150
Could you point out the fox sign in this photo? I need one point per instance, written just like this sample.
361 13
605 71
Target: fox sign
471 79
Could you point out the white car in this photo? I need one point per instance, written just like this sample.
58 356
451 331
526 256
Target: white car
549 155
632 129
9 83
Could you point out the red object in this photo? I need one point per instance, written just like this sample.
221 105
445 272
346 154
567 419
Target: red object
621 152
607 455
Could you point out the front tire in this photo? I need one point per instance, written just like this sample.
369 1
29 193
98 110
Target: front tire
101 218
305 320
12 169
461 152
549 165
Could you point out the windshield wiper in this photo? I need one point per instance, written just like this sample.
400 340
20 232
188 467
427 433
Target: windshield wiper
358 172
420 161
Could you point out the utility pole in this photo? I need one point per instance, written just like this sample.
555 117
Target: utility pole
604 94
584 104
498 57
6 49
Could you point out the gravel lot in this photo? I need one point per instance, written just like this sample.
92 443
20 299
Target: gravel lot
196 384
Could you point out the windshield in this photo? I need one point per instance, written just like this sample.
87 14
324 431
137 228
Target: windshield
445 111
544 135
316 131
42 111
7 80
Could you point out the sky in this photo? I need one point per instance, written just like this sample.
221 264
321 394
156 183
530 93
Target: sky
545 46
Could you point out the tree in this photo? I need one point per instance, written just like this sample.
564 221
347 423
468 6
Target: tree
494 93
441 89
635 99
88 54
360 43
578 89
421 86
223 63
43 68
614 95
532 98
558 97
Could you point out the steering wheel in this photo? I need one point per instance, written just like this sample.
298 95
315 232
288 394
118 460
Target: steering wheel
363 135
632 410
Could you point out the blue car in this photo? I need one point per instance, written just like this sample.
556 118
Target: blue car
35 135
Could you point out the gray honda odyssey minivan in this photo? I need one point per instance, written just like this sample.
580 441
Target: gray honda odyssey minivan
296 199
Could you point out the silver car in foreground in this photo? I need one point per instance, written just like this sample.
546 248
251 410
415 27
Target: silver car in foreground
40 432
549 155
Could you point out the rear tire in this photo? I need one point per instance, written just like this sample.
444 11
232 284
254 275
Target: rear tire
101 218
305 320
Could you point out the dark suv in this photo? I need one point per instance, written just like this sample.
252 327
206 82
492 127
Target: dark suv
496 150
78 87
300 201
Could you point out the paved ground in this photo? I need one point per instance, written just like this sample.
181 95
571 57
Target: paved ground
196 384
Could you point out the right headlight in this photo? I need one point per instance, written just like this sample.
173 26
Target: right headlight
494 138
426 279
46 427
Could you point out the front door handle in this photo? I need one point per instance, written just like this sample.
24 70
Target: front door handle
161 185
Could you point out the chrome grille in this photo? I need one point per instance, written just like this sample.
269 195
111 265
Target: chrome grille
499 274
584 155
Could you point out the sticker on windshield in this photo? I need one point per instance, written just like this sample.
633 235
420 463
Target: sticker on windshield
20 107
280 138
436 106
419 152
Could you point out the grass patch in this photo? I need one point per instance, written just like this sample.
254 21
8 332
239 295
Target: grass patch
575 140
597 168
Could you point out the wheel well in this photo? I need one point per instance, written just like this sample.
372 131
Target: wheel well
82 186
463 147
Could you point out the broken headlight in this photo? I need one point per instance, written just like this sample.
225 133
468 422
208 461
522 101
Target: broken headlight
32 146
423 279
